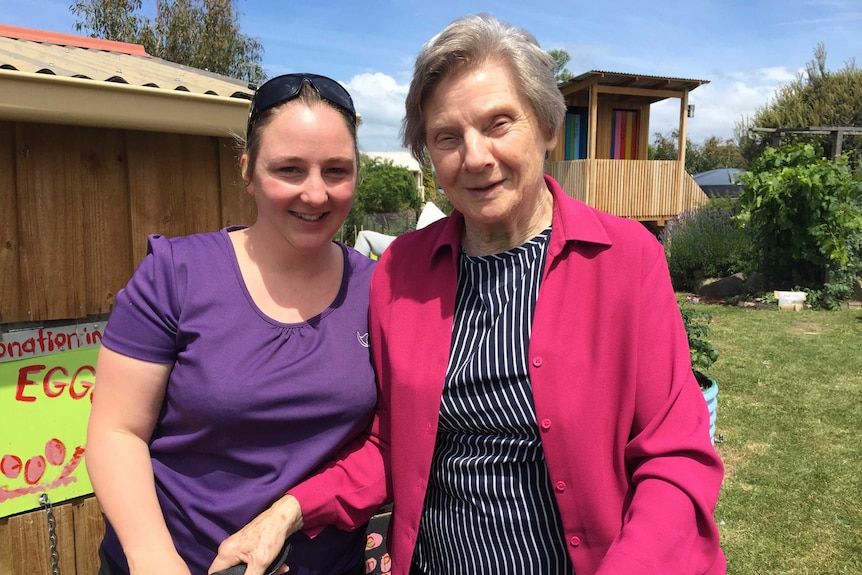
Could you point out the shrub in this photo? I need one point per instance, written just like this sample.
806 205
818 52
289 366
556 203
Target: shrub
706 243
703 355
806 209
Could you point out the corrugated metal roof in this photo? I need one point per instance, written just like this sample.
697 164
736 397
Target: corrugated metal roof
67 55
48 77
644 81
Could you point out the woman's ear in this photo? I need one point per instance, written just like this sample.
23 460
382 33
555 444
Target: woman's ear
243 170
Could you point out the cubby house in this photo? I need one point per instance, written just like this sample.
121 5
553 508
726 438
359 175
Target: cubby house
602 149
100 145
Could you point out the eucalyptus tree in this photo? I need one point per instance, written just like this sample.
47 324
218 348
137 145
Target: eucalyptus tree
202 34
561 58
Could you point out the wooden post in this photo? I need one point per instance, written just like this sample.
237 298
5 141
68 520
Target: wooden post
591 144
680 155
837 141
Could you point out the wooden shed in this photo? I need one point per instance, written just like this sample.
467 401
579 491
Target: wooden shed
602 149
101 144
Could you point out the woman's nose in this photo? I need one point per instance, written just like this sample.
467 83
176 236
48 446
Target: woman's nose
477 153
314 191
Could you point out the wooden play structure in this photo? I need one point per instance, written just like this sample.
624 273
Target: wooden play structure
602 149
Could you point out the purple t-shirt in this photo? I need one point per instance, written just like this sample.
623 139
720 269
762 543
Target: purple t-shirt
252 406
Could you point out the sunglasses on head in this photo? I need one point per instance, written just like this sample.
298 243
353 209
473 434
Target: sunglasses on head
287 87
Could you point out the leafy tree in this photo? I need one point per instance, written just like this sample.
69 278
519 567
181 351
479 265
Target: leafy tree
817 97
561 58
201 34
713 153
384 188
664 146
807 213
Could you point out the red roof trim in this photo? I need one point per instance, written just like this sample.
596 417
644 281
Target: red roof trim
59 39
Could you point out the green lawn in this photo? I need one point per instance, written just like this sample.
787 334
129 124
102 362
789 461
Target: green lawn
790 413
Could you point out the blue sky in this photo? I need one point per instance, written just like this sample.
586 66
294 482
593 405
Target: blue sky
746 49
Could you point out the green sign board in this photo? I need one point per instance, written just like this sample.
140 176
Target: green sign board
46 389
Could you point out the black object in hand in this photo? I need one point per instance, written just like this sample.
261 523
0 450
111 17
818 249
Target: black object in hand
273 567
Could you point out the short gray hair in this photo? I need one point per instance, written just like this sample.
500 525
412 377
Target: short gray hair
469 42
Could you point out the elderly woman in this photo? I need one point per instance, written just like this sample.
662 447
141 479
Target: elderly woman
535 381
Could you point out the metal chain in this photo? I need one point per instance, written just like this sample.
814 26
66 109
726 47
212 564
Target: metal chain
45 502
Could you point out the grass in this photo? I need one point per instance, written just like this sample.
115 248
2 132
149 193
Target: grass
790 413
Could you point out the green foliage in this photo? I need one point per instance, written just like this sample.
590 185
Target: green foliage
561 58
708 242
201 34
817 97
806 211
383 188
432 190
703 354
713 153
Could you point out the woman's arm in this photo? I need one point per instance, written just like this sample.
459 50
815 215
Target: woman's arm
126 402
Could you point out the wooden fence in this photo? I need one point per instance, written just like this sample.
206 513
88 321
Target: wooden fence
645 190
25 544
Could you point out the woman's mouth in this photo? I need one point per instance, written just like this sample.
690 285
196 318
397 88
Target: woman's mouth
487 188
308 217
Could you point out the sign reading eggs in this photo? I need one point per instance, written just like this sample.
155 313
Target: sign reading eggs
46 389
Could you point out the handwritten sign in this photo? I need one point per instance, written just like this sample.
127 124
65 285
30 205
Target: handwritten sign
46 389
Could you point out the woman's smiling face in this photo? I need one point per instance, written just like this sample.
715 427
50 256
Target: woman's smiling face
304 174
488 149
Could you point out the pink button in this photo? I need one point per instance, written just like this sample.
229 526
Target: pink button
560 486
575 541
546 424
537 361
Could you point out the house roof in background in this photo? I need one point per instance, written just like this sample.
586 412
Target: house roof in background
70 79
721 182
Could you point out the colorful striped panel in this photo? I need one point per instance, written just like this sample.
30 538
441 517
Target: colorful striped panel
624 134
576 136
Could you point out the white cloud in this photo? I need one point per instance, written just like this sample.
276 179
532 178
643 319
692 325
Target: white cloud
379 99
721 104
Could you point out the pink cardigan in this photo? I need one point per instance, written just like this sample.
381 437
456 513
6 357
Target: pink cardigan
623 423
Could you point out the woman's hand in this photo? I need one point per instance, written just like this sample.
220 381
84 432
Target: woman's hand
258 543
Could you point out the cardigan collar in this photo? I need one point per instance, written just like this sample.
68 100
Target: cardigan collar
572 221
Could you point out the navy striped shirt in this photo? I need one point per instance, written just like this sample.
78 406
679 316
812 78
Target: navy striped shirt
489 507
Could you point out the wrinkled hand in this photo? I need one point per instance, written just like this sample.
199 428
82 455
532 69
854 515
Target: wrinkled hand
258 543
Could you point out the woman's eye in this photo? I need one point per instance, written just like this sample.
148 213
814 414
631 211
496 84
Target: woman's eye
446 141
499 124
337 173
